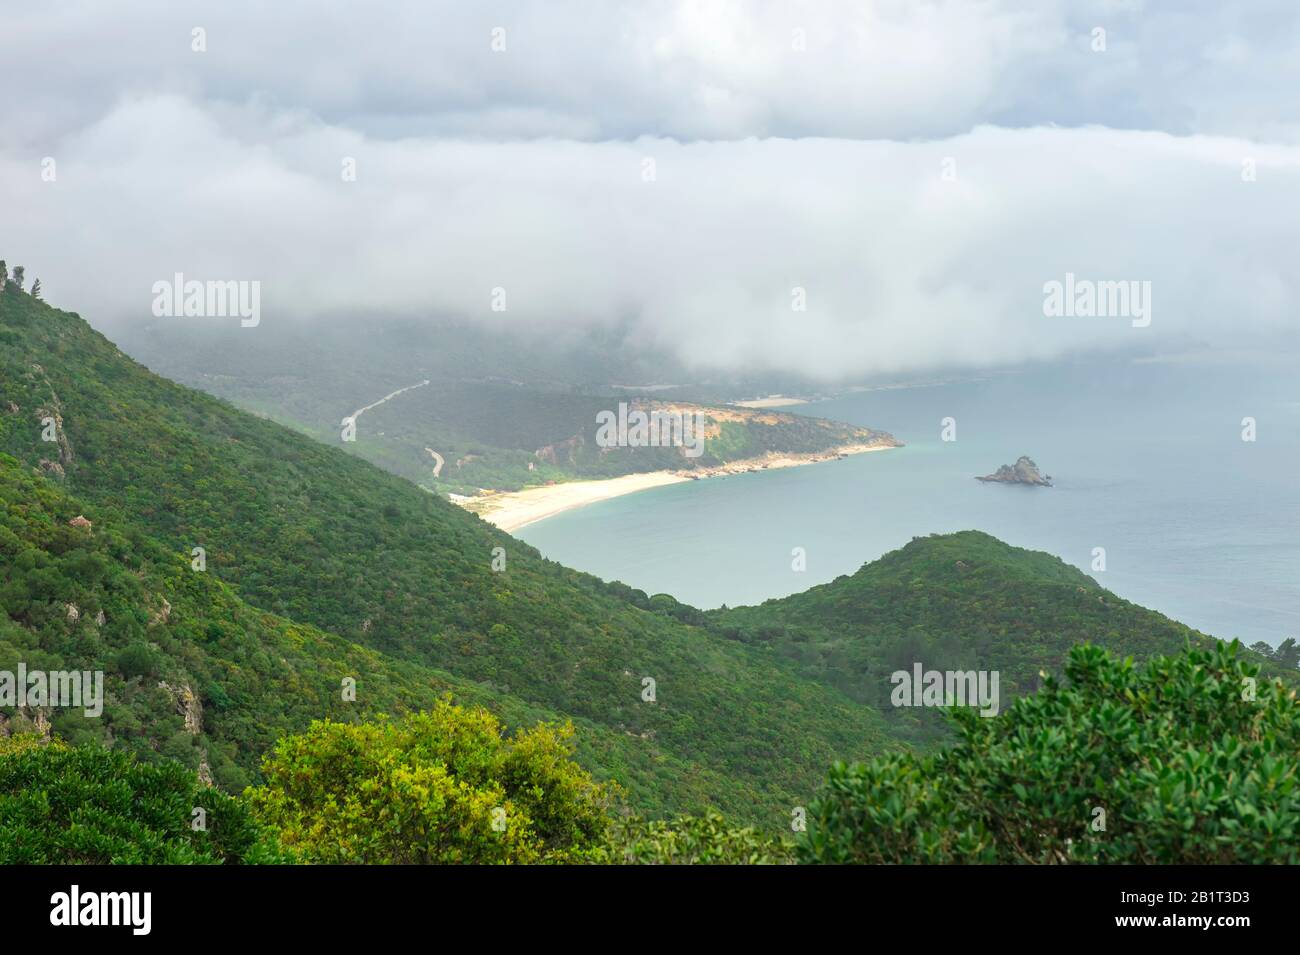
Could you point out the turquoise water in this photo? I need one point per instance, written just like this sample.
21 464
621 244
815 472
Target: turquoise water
1147 459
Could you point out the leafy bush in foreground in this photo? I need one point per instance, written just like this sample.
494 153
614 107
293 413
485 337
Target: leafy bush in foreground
707 839
444 786
1191 759
91 805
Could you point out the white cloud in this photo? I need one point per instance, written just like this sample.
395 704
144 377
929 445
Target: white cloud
721 69
903 270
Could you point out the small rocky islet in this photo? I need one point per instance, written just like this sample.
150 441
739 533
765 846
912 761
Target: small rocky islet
1024 471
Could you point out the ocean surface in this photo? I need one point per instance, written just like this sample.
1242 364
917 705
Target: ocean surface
1148 463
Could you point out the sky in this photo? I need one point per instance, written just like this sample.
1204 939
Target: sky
831 189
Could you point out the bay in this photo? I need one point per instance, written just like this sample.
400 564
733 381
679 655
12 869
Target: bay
1147 459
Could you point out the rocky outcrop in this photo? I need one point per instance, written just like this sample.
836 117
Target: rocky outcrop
61 439
561 452
1024 471
187 705
190 707
162 614
27 719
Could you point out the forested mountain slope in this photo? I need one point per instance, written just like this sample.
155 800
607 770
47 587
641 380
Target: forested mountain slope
963 601
318 536
192 672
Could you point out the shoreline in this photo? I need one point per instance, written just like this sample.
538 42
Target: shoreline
513 510
771 401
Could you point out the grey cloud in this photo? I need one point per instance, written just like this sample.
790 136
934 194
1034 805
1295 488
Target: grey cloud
888 69
902 269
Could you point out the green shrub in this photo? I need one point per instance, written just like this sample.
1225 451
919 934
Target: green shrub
136 660
446 786
22 742
60 805
1175 760
707 839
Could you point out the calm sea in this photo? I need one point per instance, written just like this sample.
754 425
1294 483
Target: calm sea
1147 458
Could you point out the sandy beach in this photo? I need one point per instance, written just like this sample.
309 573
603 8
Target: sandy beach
512 510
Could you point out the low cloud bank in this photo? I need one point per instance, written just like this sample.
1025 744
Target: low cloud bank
823 257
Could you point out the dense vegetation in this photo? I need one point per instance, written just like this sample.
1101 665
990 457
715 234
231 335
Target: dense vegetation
191 672
360 574
439 787
1189 759
1286 654
964 601
444 786
96 806
706 839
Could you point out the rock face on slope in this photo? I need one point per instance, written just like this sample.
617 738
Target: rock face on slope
1024 471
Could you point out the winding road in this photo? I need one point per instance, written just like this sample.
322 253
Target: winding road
375 404
437 461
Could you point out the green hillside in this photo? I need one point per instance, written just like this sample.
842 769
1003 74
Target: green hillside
502 411
964 601
317 536
176 643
